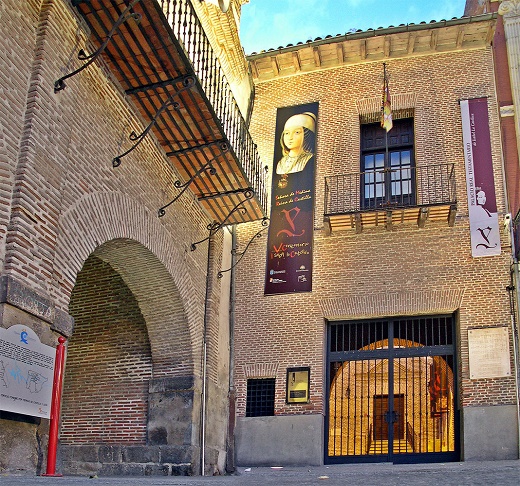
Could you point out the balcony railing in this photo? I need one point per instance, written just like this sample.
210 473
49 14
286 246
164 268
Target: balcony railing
395 190
187 28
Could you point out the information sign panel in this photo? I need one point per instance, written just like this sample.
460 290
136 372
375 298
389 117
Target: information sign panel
26 372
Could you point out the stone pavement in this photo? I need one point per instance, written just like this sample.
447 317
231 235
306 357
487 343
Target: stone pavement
496 473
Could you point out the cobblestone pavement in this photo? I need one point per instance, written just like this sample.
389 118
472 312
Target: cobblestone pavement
496 473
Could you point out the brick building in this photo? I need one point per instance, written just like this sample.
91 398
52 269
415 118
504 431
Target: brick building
117 175
505 55
406 322
133 180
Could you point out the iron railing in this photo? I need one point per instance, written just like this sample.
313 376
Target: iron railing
422 186
412 437
369 439
188 30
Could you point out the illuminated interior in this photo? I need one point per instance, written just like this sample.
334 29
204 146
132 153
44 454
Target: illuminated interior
361 421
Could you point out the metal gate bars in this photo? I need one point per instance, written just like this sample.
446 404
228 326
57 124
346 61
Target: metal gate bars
392 391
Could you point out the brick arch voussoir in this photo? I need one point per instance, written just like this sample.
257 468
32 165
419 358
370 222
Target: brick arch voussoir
137 245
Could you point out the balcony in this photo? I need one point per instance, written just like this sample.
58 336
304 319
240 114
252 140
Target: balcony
166 66
391 197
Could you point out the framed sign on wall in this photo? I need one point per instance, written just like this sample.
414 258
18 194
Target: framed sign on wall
298 380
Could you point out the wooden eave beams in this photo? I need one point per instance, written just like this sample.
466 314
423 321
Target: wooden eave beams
391 218
296 62
274 65
434 39
378 45
316 54
460 37
410 43
363 50
339 53
490 34
386 47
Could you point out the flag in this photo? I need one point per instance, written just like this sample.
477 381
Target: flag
386 108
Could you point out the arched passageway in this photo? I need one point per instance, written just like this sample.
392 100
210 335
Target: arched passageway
129 381
109 362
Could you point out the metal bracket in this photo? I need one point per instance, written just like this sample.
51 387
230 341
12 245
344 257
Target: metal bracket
82 56
160 84
194 148
207 166
214 227
188 82
265 224
214 195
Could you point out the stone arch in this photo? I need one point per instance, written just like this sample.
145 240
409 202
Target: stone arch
129 237
161 273
109 362
159 301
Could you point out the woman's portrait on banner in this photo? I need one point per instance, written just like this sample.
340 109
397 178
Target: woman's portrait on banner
297 142
290 235
480 208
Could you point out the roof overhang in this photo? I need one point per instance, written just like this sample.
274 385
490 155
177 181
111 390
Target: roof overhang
374 45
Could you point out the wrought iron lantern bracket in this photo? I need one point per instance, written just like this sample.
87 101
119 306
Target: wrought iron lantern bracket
206 167
188 82
82 56
265 224
214 227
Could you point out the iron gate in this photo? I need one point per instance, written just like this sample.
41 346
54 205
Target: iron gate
392 391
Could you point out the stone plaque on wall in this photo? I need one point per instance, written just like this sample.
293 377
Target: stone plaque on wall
489 353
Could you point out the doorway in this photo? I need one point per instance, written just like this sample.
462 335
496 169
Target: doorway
382 417
392 394
129 384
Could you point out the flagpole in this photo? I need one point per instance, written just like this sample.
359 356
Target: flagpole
385 88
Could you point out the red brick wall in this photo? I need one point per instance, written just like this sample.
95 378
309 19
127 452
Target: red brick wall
67 199
379 268
505 98
19 21
109 362
61 200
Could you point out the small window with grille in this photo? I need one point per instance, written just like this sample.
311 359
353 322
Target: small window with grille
260 397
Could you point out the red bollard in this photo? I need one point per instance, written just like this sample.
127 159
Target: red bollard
55 409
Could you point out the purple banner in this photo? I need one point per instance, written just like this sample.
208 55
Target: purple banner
480 183
289 246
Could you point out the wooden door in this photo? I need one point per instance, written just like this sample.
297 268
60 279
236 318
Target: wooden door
382 417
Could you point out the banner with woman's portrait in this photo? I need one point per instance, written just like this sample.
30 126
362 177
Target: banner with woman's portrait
289 250
480 183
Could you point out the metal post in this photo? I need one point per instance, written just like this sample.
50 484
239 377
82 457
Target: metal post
55 409
515 319
205 358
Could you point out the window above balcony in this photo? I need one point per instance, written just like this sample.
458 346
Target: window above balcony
390 189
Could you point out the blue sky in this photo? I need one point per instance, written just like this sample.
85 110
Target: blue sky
273 23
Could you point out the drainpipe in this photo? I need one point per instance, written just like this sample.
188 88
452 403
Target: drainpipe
204 360
515 319
230 459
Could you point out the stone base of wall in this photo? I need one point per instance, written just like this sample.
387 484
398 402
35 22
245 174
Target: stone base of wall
490 433
23 444
290 440
118 460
